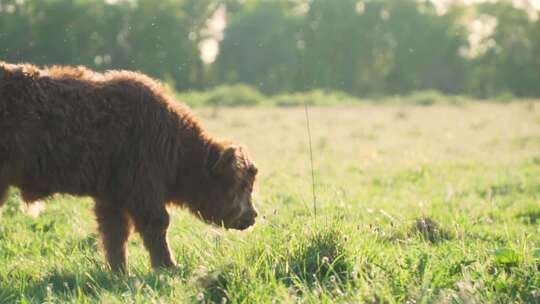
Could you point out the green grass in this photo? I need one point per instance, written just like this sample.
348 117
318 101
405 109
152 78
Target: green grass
415 205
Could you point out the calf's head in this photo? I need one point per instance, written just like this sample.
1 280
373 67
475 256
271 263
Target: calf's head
232 177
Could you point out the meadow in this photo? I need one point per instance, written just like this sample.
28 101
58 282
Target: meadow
415 204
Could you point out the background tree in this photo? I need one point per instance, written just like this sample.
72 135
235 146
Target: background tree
157 37
261 47
364 48
510 62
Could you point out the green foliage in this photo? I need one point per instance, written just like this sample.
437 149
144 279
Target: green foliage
428 98
425 98
138 35
389 47
239 95
315 97
233 95
505 97
244 95
363 48
511 65
506 257
260 47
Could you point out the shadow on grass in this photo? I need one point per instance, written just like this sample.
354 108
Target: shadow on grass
501 190
530 217
216 286
66 285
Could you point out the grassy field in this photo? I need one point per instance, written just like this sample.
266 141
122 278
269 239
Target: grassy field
436 204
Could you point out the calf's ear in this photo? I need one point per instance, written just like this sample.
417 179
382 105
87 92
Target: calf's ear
220 162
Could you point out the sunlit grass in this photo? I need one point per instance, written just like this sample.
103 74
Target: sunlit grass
415 204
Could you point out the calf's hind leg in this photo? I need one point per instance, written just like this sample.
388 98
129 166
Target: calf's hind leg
115 227
3 191
3 179
3 188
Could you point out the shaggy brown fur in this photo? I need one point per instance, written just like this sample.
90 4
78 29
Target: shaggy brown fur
118 138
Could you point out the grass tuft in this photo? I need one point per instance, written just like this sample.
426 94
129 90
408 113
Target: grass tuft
429 230
321 261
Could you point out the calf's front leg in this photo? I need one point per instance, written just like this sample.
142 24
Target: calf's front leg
152 224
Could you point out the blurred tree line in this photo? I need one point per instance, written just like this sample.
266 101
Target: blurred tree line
364 48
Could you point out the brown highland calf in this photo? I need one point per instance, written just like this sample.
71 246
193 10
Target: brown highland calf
118 138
